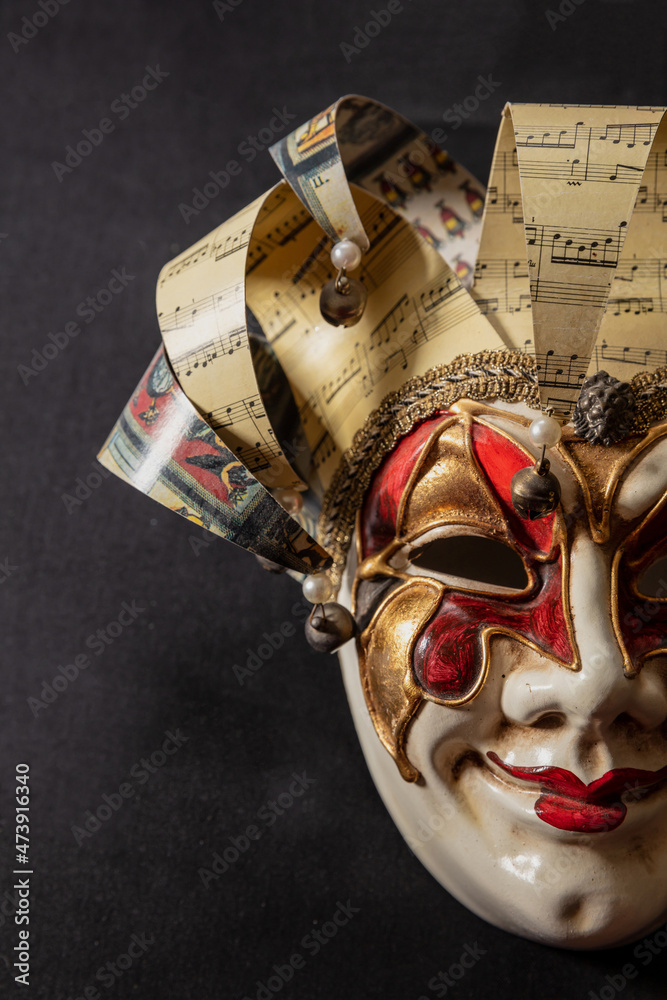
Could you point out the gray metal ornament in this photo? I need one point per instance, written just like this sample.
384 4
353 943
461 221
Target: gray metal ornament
343 300
535 491
329 626
604 410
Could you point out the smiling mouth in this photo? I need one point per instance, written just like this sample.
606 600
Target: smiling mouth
567 803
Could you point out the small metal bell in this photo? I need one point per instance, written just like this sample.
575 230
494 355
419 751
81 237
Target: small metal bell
535 491
329 626
343 300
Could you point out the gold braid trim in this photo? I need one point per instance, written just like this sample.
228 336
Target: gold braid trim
506 375
650 389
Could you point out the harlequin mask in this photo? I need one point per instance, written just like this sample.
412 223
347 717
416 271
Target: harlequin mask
490 503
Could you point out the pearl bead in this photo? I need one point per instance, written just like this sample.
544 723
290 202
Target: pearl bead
345 254
545 430
291 500
317 589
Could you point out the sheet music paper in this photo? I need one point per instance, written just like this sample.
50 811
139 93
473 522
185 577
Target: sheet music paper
570 268
418 315
363 142
632 334
164 448
564 184
274 256
201 304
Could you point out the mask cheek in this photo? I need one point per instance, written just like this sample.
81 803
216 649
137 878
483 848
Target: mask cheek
449 656
385 660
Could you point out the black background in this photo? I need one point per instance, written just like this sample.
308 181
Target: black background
69 567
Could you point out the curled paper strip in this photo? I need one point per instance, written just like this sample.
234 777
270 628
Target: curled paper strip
273 257
418 315
570 265
369 144
161 446
201 306
570 269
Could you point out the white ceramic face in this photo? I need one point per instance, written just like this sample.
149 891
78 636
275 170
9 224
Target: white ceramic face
602 880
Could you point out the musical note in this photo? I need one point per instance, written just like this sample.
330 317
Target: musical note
630 134
349 372
636 356
256 258
186 261
249 407
323 449
288 326
231 243
559 371
524 303
565 138
388 325
635 305
507 280
579 246
578 171
435 297
185 364
286 232
624 172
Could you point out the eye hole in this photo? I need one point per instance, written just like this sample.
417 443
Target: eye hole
474 558
653 581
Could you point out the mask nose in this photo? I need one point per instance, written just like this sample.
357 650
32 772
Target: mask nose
599 694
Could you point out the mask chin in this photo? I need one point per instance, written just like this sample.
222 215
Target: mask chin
485 846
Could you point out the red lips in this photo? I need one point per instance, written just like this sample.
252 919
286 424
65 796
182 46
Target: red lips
568 804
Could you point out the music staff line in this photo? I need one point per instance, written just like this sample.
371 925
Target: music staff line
647 201
198 311
248 408
510 269
384 257
209 249
208 353
315 266
656 161
506 277
576 171
256 457
560 371
578 245
400 333
504 195
552 137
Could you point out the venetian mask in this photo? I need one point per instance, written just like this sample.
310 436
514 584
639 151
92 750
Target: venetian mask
515 673
497 588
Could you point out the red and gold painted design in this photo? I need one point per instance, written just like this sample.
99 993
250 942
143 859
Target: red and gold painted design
429 639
